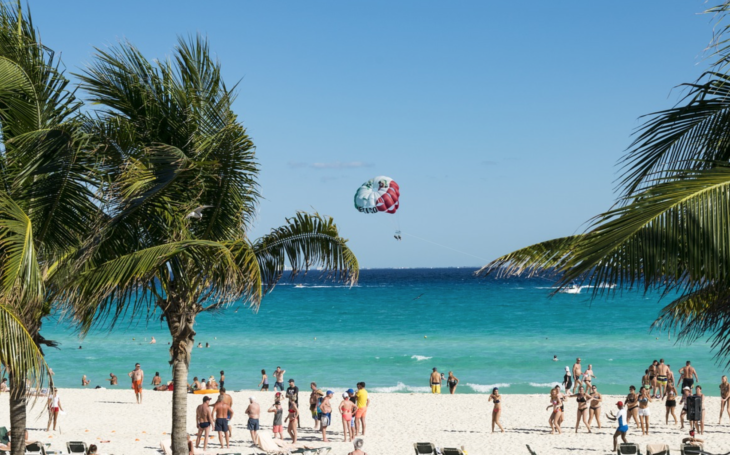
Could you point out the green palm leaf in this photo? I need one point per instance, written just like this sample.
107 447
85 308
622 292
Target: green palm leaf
18 351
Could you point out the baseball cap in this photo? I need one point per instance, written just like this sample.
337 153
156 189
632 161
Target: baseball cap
350 391
329 392
206 399
620 403
345 395
278 394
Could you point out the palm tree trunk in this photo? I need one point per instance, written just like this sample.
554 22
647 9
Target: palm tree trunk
183 339
18 403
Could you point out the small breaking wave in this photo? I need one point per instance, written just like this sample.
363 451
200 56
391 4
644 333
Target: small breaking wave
482 388
400 387
545 384
420 357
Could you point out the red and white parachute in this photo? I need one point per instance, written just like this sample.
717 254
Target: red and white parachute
379 194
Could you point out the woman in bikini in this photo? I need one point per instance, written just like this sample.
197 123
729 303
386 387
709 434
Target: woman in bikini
555 414
582 400
670 402
292 418
684 402
452 382
595 409
264 384
497 411
644 400
725 395
632 406
347 408
646 380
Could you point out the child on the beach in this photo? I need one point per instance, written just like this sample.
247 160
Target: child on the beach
278 417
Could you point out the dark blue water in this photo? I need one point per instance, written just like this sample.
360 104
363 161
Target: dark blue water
396 325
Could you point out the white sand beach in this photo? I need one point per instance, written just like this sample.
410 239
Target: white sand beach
395 422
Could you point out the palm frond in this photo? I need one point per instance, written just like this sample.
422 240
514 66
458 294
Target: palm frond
18 352
540 258
21 276
306 240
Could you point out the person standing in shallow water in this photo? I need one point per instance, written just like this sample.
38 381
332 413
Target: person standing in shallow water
435 381
452 382
496 398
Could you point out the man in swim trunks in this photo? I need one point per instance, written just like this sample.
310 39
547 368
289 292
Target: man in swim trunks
137 376
577 375
325 416
362 408
662 376
435 381
653 377
253 411
227 399
279 379
222 413
203 420
687 375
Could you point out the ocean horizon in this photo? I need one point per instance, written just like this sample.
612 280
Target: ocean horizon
391 329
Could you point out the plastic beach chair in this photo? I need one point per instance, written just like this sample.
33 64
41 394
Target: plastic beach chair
657 449
451 451
34 448
628 448
690 449
424 448
76 447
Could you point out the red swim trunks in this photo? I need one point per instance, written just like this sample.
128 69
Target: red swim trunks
137 386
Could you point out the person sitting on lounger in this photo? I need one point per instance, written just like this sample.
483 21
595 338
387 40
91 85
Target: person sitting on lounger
692 440
358 448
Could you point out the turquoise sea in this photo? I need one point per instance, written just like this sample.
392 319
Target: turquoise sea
392 328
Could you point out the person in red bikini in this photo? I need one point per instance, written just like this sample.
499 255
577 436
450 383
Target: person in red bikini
54 406
347 408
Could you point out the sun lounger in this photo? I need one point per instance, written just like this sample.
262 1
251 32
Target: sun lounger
690 449
76 447
34 448
628 448
451 451
424 448
657 449
265 442
532 452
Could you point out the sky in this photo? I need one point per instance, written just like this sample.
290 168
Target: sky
502 122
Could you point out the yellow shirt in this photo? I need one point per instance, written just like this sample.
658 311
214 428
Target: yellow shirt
362 398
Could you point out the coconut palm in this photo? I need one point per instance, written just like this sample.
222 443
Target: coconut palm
670 228
178 197
45 183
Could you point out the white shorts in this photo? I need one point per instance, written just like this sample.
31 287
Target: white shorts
644 412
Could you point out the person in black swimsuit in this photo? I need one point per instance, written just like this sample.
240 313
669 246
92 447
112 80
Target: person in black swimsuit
632 406
582 400
452 382
670 402
496 398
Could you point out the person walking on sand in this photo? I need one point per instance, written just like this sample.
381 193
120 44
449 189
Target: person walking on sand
662 377
137 376
227 399
582 413
156 379
577 375
347 409
670 402
452 382
325 415
363 402
435 381
496 398
632 406
644 413
724 395
623 426
595 407
313 400
112 379
293 390
278 411
54 407
688 375
253 411
567 380
222 413
556 405
292 417
264 384
699 425
203 420
279 379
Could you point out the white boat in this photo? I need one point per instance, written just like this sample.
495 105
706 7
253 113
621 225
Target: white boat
299 286
574 289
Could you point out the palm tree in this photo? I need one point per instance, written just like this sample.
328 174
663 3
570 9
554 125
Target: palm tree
178 197
670 228
45 184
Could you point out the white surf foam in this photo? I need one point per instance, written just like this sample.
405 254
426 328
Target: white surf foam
400 387
486 388
545 384
420 357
